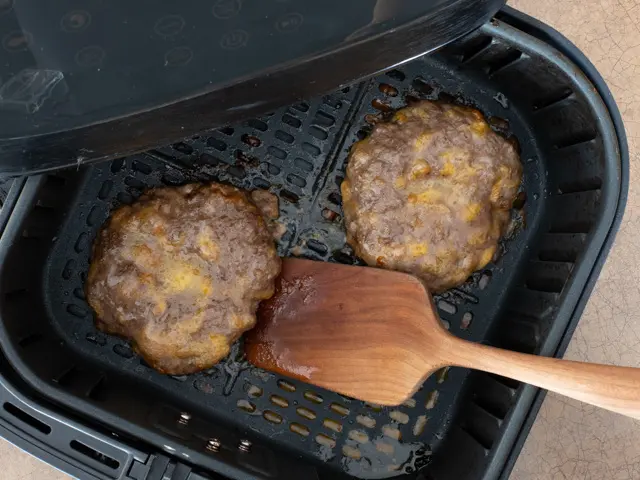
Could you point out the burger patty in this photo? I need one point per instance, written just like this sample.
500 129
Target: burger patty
430 192
181 272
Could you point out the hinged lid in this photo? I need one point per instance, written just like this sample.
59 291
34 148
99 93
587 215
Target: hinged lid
93 80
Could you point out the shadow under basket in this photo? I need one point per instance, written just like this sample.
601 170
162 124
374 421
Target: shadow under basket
246 423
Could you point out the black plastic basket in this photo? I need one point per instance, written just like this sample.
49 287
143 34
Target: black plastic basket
244 423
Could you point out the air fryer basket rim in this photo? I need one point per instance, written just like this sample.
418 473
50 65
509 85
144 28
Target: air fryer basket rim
569 315
505 456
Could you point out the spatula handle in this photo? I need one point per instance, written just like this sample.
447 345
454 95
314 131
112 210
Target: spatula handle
606 386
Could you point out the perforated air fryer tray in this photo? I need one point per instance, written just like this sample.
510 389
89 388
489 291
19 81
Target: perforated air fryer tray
572 182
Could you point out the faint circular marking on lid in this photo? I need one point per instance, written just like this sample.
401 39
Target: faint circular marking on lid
17 41
75 21
224 9
169 25
289 22
6 6
90 56
178 57
234 39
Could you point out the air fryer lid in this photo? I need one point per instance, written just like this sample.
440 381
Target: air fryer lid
88 80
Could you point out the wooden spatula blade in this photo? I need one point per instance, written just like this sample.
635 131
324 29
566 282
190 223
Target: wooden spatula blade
374 335
355 330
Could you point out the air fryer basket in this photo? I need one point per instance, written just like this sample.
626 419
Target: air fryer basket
450 428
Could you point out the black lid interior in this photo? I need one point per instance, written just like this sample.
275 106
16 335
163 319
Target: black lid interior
92 79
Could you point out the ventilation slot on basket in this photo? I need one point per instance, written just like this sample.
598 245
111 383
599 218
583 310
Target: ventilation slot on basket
40 222
55 181
228 131
533 303
67 377
465 321
141 167
548 276
580 185
474 47
561 247
480 425
325 440
217 144
134 183
421 86
447 307
333 102
123 350
276 152
98 391
323 119
82 243
117 165
52 191
381 106
313 397
81 381
294 179
504 61
93 217
26 418
388 90
96 338
94 454
183 148
31 340
396 75
521 335
289 196
432 399
303 165
366 421
299 429
491 395
292 121
318 132
105 190
246 406
306 413
258 125
284 137
507 382
332 425
126 198
574 212
172 178
272 417
317 246
251 140
575 139
78 311
279 401
551 99
19 294
301 107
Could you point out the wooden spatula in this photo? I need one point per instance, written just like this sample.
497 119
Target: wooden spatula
374 335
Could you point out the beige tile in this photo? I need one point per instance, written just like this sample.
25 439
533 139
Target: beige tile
570 440
18 465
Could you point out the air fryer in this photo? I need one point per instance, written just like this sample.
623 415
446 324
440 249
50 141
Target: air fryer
85 402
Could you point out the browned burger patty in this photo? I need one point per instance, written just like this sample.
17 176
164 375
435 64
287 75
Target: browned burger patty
429 193
180 273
